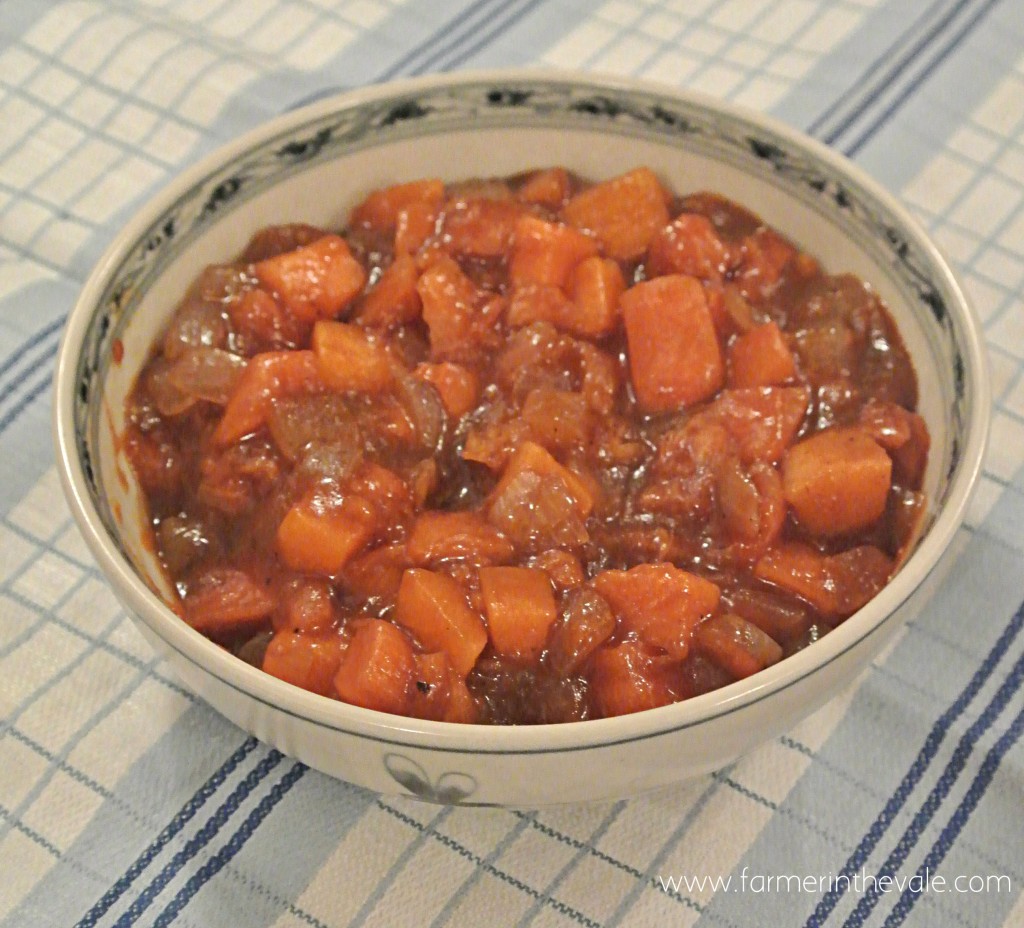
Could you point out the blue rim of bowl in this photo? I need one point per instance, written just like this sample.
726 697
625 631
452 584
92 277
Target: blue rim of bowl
336 126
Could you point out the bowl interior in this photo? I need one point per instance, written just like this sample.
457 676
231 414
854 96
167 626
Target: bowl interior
314 165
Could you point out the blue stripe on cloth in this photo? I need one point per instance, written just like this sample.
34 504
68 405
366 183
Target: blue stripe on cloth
939 122
216 863
884 80
528 36
583 850
184 815
447 841
866 80
959 819
161 780
845 782
914 775
15 358
314 838
657 863
956 765
379 890
268 880
979 12
450 57
23 379
454 29
448 909
201 838
59 672
40 784
36 388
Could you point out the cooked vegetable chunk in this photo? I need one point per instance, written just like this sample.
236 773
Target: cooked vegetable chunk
520 608
316 281
625 213
347 358
837 481
659 603
434 608
674 356
527 450
320 535
377 668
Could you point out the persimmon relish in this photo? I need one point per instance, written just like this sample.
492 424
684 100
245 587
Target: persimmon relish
527 450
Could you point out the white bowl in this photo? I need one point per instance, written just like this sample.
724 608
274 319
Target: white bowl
314 165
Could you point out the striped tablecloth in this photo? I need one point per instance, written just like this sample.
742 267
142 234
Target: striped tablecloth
125 801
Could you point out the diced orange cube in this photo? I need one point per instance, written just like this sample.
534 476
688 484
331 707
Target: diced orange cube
837 481
377 669
458 316
547 252
689 245
798 568
377 574
533 458
760 358
431 691
416 225
761 421
595 287
225 598
627 678
660 603
438 536
382 208
267 378
549 187
520 607
457 385
393 300
434 608
625 213
318 536
765 256
306 660
350 359
316 281
481 228
674 356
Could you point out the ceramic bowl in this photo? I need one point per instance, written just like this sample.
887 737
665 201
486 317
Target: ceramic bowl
313 165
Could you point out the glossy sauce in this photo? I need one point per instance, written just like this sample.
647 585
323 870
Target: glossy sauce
527 450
